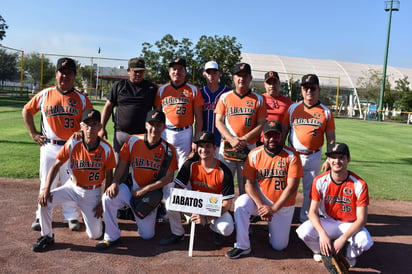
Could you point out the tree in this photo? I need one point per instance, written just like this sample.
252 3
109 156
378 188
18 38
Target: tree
225 50
8 66
32 66
402 87
370 86
3 27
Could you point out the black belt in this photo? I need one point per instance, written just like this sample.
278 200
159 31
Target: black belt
55 142
178 128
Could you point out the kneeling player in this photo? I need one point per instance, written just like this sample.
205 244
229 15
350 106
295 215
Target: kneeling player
277 170
91 161
342 199
207 174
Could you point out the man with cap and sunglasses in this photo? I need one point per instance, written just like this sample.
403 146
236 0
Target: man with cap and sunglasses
338 210
272 173
61 109
182 104
146 153
207 174
132 98
309 121
211 93
240 116
91 167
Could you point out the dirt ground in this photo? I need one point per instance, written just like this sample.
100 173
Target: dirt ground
389 222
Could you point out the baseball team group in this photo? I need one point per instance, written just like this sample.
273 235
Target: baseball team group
207 135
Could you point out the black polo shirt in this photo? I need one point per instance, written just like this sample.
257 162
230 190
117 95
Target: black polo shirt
132 102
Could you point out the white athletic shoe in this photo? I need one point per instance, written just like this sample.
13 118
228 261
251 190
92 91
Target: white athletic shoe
352 262
317 257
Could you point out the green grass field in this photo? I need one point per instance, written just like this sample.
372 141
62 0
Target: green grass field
380 152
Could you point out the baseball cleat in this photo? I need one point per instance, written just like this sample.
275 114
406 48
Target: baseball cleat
235 253
36 225
172 239
43 243
74 225
106 244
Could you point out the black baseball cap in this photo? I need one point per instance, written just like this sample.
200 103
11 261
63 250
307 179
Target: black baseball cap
338 148
206 137
136 64
271 74
156 115
272 126
310 79
242 67
66 62
178 61
91 114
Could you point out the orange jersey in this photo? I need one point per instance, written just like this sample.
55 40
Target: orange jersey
339 201
219 180
87 167
308 125
61 113
146 160
273 171
178 104
241 112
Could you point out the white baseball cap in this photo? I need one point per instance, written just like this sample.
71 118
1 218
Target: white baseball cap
211 65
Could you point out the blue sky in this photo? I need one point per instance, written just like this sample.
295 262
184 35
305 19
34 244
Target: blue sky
344 30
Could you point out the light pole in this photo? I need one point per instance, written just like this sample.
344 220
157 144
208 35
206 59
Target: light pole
390 6
97 74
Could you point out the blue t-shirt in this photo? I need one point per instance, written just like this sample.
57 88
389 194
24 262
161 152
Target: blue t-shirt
211 99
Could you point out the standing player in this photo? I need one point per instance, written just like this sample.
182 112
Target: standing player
277 170
341 198
91 162
145 152
206 174
309 121
240 116
132 98
211 94
182 104
61 110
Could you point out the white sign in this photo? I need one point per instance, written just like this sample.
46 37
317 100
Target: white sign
195 202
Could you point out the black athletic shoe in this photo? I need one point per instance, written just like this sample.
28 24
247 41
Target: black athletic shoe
217 238
106 244
43 243
235 253
172 239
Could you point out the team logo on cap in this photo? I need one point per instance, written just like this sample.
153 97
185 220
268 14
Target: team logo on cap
347 191
202 136
90 114
155 114
177 60
308 79
157 157
72 102
272 123
335 147
65 62
271 74
242 66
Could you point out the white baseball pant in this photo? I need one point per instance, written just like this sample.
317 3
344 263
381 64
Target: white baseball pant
48 154
87 201
311 167
181 140
145 227
358 243
279 226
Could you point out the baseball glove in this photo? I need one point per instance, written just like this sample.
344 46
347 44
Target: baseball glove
336 264
143 205
231 154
